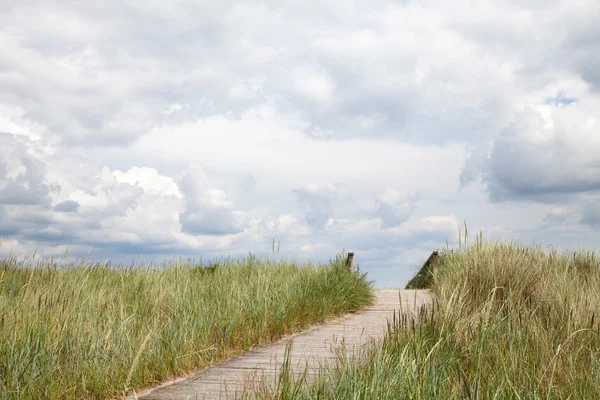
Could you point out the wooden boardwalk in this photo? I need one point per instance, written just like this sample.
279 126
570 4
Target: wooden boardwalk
309 349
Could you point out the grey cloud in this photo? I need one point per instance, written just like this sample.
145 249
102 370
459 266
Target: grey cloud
26 184
557 216
247 182
316 204
590 214
118 248
216 221
418 238
391 216
474 167
581 47
67 206
21 221
19 193
207 211
56 237
122 197
36 223
7 227
128 71
545 154
105 213
394 208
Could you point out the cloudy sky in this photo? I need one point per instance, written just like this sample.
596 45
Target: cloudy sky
147 129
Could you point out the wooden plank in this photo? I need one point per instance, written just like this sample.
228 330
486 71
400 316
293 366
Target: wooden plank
315 348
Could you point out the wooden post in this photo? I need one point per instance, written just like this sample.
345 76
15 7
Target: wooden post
432 259
350 262
423 278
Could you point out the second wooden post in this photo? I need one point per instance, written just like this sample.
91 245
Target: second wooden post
350 262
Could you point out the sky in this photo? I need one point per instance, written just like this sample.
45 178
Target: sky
145 130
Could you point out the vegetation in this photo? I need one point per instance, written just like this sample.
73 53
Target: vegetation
509 321
95 331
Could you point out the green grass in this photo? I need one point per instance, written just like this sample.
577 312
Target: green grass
99 332
509 322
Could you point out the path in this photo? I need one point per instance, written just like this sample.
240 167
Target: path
315 346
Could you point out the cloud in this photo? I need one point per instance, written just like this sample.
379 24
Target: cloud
247 182
67 206
333 68
559 215
313 82
150 180
581 43
316 203
266 141
590 214
394 207
208 211
547 150
21 173
86 206
368 234
132 74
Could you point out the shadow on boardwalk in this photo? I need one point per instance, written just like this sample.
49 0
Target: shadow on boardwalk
308 351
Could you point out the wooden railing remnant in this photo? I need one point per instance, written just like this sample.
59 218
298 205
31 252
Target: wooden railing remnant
350 262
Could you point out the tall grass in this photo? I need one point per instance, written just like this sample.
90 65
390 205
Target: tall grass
99 332
508 322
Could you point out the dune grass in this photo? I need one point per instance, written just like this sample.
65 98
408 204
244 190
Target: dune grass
95 331
509 322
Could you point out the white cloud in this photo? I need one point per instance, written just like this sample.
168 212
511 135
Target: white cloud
268 142
286 225
174 108
313 82
150 180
